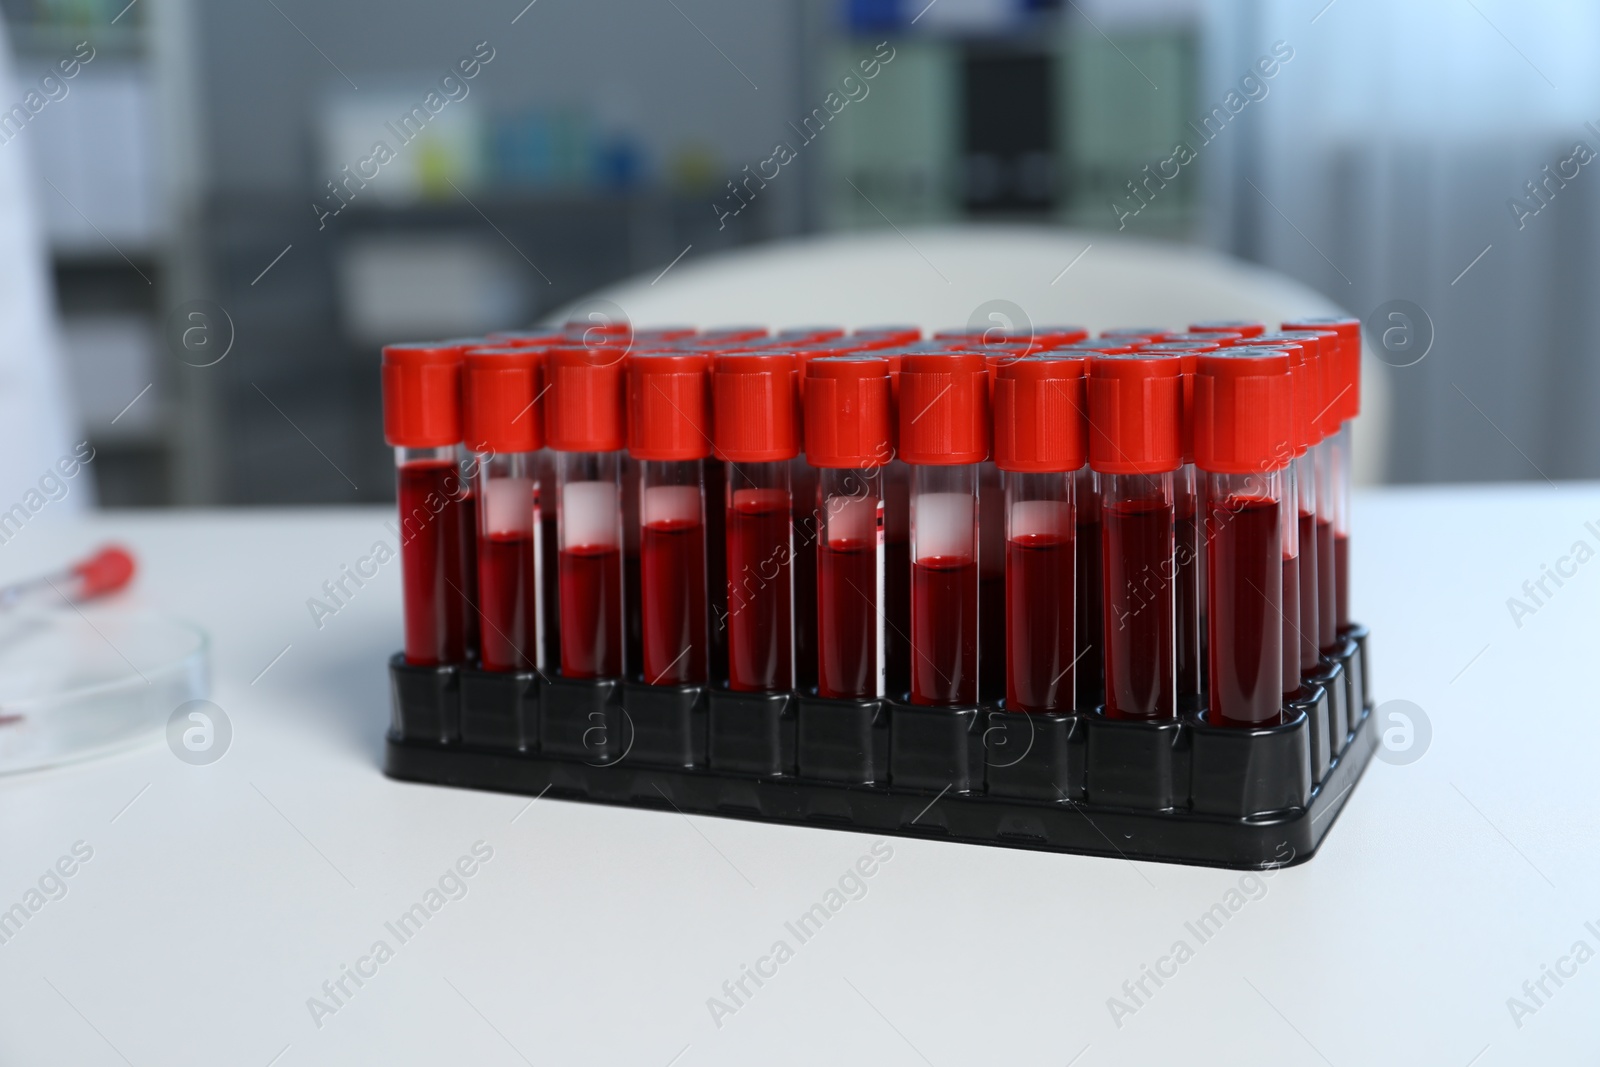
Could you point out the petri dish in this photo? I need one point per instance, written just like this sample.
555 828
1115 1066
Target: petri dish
80 684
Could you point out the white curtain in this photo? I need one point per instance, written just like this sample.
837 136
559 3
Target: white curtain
1380 166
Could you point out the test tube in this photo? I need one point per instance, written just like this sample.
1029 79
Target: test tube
1343 401
1243 441
1306 384
755 411
544 470
944 436
896 545
422 421
1039 445
504 430
1189 549
1135 442
669 428
584 420
847 438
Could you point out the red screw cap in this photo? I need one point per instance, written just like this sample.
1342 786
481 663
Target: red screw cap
499 387
669 405
422 394
1242 327
1180 346
847 409
1243 405
1111 346
526 339
944 409
583 403
1135 413
1039 413
1345 397
755 406
1136 334
1323 346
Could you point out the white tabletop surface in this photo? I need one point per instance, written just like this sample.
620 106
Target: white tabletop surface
219 899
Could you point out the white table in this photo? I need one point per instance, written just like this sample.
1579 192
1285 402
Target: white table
220 898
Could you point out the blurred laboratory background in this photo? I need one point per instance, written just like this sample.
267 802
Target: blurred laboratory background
219 258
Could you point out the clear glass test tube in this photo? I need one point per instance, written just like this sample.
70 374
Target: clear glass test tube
1244 540
673 588
944 584
850 585
1040 574
589 513
760 555
432 557
1305 485
1138 516
508 562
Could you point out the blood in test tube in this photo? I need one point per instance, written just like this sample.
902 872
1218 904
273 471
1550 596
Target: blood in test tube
1243 441
1135 412
422 421
896 545
504 430
669 427
847 436
1189 550
1343 378
1039 427
944 436
1306 355
1089 654
755 414
714 472
584 419
991 584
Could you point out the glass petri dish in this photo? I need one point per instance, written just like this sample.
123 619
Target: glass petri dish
74 685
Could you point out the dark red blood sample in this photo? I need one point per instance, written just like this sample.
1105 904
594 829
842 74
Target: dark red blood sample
431 562
1245 601
807 527
1090 654
591 627
672 602
992 631
633 659
991 588
1039 595
847 619
944 630
1327 596
467 509
1310 657
716 481
760 642
1190 649
1291 625
1341 573
508 601
1140 679
897 617
550 591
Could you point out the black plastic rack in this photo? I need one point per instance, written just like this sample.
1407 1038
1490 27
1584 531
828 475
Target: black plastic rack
1184 791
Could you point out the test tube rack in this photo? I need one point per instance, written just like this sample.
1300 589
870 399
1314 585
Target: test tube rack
1183 791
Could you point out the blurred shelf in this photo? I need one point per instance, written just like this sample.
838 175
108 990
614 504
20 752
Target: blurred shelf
55 41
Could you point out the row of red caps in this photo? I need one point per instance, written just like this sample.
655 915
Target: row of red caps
1231 396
